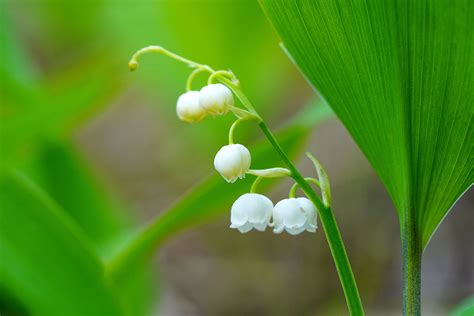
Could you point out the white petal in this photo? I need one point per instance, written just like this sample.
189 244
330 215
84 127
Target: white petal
278 229
309 209
232 162
295 231
258 208
311 228
245 228
238 212
251 211
261 226
188 108
289 212
216 99
279 216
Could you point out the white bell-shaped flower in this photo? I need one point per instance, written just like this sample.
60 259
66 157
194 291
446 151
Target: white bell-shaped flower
249 211
216 99
294 216
232 162
188 107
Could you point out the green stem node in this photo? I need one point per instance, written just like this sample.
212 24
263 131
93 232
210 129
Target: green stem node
220 73
295 186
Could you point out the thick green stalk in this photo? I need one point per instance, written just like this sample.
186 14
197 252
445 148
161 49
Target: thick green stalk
412 253
331 230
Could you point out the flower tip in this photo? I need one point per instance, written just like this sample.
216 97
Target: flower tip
133 65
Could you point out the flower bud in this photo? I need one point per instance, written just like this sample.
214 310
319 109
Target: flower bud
294 216
232 162
188 108
249 211
216 99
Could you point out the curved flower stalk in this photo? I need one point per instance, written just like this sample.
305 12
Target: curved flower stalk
233 162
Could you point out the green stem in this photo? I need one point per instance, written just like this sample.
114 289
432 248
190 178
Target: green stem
328 221
238 92
218 73
253 189
133 63
412 253
294 187
331 230
232 129
189 82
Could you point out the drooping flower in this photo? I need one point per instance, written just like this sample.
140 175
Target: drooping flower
188 108
232 162
216 99
251 210
294 216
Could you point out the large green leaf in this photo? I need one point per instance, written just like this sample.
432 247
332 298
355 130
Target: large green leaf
399 74
47 264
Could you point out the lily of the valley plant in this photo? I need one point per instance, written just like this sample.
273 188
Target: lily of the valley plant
233 161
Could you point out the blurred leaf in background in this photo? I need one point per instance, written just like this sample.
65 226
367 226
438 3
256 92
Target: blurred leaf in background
465 308
47 264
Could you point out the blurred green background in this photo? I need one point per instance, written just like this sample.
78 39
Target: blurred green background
106 145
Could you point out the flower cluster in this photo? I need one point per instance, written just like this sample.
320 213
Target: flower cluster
213 99
253 210
233 161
